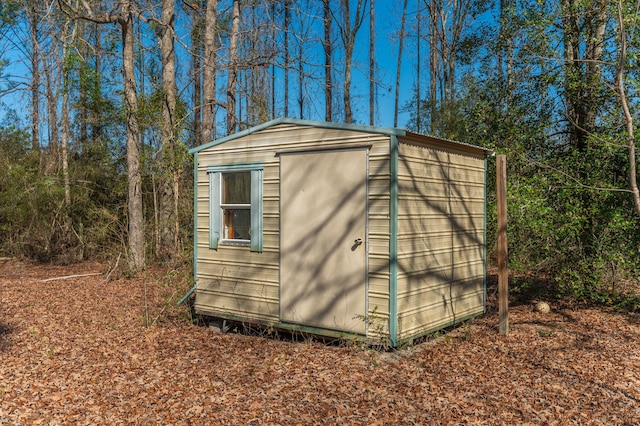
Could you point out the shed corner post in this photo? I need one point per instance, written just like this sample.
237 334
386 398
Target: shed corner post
484 236
503 271
195 217
393 240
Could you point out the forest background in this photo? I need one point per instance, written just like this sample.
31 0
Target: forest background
100 101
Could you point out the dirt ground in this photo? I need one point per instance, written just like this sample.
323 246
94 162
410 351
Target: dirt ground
78 351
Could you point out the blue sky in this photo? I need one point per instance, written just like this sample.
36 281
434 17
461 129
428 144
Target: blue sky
388 19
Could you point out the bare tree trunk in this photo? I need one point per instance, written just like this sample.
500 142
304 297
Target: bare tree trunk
346 90
509 53
418 71
65 153
209 73
301 81
348 58
348 32
196 71
232 79
301 77
287 59
433 69
168 215
572 68
595 41
274 49
35 79
134 181
328 62
372 63
505 50
51 163
399 63
583 37
628 117
65 118
448 19
124 18
82 95
460 12
96 114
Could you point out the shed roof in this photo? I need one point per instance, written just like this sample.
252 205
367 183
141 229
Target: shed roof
392 131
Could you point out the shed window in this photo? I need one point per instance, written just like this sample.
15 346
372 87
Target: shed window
236 206
235 194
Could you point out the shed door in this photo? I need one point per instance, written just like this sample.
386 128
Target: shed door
323 201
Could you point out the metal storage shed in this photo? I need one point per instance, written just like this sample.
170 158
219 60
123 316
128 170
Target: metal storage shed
340 229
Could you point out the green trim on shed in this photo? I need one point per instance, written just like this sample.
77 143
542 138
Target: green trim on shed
195 218
214 209
234 167
215 218
393 240
256 209
484 242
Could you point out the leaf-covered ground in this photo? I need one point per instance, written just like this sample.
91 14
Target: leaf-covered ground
77 351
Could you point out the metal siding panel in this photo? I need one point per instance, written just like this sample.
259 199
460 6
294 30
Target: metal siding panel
439 189
247 307
247 287
441 238
379 186
438 206
414 325
412 224
474 268
229 254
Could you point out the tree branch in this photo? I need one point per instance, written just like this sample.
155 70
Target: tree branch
579 185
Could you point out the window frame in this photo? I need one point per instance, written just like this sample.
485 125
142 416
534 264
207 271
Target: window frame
225 207
216 217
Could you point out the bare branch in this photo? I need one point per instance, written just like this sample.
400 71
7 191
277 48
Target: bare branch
578 184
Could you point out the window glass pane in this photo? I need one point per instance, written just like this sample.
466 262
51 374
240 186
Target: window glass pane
237 223
236 188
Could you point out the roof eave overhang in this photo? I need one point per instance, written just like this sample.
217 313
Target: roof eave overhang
298 122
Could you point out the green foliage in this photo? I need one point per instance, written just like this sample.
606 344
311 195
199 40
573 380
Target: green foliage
34 220
98 208
8 12
568 222
30 203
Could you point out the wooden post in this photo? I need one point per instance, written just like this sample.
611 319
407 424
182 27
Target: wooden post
503 271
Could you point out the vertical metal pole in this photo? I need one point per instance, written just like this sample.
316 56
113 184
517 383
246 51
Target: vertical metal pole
503 271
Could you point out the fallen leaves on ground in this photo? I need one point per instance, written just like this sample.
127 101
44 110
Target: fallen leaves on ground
77 351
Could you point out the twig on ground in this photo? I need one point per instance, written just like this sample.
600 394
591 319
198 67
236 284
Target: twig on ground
162 310
112 269
68 277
